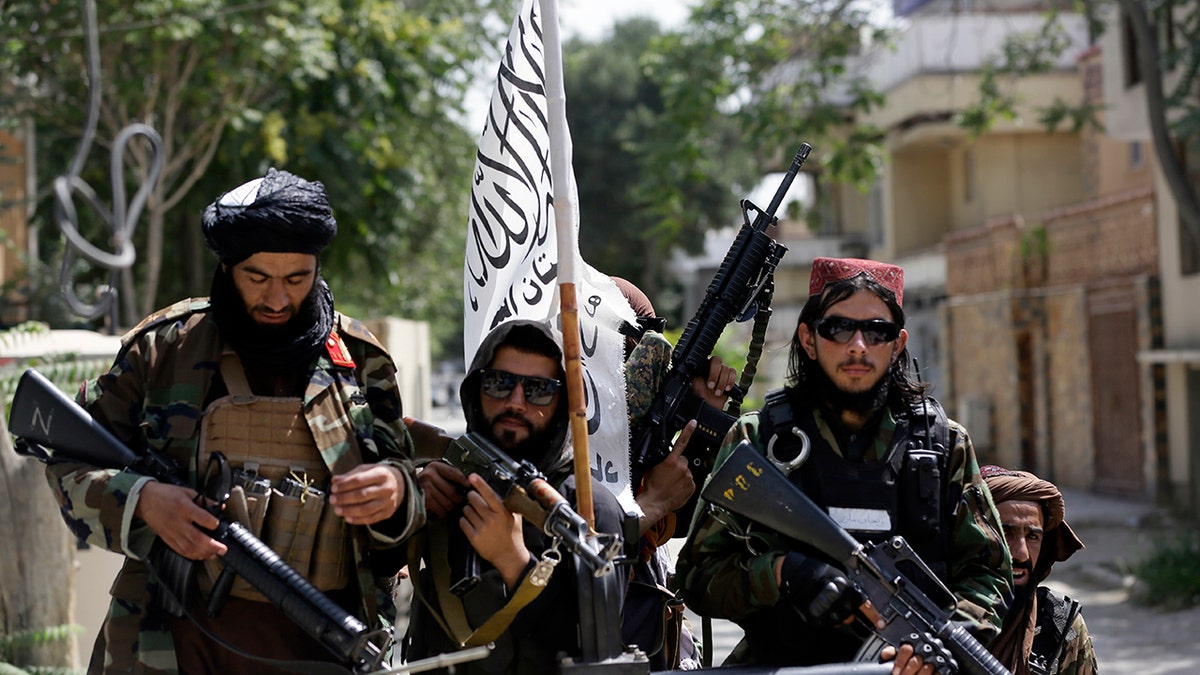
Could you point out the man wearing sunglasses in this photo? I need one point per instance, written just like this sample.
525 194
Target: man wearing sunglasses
514 395
859 434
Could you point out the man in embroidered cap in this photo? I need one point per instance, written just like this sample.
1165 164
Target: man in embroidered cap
859 434
303 402
1044 632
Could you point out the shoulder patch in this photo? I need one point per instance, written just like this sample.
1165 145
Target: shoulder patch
166 314
338 352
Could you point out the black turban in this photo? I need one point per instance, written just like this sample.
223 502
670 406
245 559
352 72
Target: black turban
278 213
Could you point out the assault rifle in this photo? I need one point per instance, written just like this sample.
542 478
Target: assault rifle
52 428
734 294
525 490
753 487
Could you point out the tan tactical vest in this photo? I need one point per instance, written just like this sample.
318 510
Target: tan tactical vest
280 492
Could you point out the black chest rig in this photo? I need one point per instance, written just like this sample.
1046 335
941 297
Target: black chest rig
1056 614
902 493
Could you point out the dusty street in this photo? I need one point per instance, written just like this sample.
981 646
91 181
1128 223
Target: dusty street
1130 639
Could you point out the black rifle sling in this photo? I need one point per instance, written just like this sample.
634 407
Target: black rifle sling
758 338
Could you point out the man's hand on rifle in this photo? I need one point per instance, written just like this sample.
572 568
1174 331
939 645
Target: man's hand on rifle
819 592
714 387
172 513
908 662
494 531
668 484
444 486
368 493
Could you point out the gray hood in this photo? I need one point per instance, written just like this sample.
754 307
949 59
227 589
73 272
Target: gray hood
552 462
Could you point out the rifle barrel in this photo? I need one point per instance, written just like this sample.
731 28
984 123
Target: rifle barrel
797 162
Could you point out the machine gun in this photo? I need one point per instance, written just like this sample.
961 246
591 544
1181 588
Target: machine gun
742 283
52 428
751 486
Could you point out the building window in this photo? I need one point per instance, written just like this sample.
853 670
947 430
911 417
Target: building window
1133 69
1189 243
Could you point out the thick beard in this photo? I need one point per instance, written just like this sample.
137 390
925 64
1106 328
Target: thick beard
831 397
1030 584
533 448
282 347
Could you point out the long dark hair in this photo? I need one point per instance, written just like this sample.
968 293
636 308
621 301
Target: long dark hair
904 388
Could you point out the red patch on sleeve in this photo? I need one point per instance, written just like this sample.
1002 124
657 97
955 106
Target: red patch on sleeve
338 352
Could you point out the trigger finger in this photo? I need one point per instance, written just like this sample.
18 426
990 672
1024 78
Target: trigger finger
685 435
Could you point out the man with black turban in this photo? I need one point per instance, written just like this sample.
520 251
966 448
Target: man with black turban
302 401
1044 632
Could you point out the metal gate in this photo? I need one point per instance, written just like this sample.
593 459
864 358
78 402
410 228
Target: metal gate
1116 414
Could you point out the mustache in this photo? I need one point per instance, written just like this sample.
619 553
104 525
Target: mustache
514 417
858 361
1024 565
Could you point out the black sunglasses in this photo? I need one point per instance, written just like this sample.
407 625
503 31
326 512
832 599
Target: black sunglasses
841 330
501 383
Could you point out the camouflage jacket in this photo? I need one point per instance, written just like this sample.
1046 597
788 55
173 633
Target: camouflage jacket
154 395
1077 656
726 566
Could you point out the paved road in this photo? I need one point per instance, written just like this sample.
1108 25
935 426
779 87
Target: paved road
1130 639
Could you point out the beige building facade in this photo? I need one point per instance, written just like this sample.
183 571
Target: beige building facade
1033 285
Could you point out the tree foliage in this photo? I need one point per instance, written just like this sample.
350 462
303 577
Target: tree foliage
364 95
782 71
619 126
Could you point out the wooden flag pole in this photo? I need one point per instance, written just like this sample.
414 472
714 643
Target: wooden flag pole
565 215
577 398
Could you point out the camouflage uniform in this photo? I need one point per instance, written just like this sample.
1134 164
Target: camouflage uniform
154 396
725 573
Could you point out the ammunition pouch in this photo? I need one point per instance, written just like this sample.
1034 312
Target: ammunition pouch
280 486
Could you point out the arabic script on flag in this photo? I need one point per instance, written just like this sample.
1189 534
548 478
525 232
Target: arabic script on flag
511 267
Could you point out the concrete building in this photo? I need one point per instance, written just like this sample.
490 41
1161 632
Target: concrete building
1035 299
1059 325
1171 360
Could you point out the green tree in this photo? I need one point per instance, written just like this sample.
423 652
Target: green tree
618 120
361 94
781 71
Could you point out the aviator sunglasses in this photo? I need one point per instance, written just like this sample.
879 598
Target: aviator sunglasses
501 383
841 330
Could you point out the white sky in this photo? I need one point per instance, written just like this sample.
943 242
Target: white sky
593 19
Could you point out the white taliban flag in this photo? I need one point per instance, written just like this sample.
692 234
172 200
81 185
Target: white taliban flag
522 239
